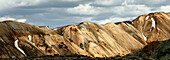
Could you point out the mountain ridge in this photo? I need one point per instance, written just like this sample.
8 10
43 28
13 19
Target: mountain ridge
86 38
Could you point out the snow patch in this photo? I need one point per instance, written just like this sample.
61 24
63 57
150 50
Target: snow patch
150 29
153 22
55 29
132 22
144 37
16 45
147 18
158 34
30 37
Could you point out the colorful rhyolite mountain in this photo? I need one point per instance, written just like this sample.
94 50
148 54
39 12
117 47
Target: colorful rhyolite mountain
94 40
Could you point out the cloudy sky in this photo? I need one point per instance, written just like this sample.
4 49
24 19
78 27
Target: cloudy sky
56 13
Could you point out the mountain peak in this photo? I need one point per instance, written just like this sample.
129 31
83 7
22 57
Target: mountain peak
86 38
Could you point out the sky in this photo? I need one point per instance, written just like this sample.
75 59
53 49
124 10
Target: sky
57 13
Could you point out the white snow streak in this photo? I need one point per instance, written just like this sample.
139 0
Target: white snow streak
30 37
132 22
153 22
147 18
144 37
158 33
16 45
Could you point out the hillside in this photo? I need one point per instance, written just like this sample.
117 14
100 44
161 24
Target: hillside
91 39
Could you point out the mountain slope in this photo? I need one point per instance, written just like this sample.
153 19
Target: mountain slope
86 38
158 50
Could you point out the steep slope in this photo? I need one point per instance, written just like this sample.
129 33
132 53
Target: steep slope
158 50
98 40
154 26
86 38
151 27
13 38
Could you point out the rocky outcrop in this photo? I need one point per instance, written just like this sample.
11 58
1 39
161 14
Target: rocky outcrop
94 40
157 50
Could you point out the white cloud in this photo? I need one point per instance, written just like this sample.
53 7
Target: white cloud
21 20
6 18
97 11
6 4
120 13
112 19
165 8
133 10
12 19
127 1
71 0
148 2
107 2
82 19
155 1
84 9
